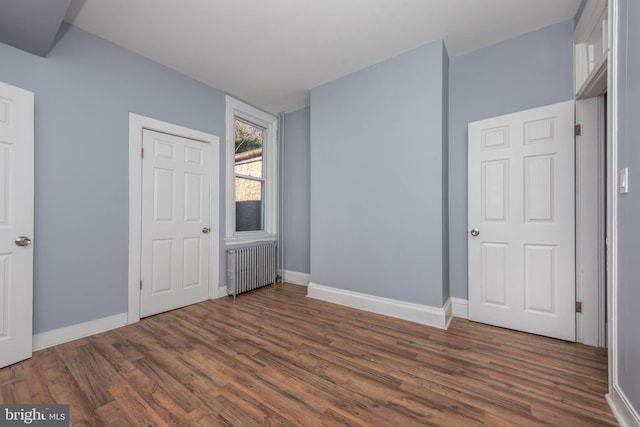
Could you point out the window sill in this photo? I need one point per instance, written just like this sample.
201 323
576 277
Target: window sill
250 238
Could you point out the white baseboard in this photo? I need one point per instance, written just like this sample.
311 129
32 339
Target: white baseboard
296 278
622 408
81 330
438 317
448 313
460 307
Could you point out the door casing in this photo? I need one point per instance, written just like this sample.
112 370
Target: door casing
136 125
591 221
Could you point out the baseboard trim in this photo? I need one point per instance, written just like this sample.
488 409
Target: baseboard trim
438 317
81 330
621 408
448 313
460 308
296 278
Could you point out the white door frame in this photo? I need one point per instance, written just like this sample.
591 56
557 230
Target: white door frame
590 221
615 397
591 83
618 402
136 125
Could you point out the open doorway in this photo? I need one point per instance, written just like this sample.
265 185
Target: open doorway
592 37
591 221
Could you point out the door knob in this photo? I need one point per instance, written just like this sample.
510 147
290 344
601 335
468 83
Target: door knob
205 230
23 241
475 232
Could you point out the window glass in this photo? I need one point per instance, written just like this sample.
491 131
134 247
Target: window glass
248 149
249 204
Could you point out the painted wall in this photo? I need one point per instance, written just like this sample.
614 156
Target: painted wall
376 179
84 91
528 71
629 204
297 191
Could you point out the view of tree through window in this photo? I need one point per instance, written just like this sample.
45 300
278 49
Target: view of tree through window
249 181
248 137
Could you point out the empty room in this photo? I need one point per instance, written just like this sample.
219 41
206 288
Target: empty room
305 213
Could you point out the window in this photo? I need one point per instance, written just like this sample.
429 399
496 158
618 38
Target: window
251 211
249 176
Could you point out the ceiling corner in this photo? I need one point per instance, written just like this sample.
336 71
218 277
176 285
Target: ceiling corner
32 25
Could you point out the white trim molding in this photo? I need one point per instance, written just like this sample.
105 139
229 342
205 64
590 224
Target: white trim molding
81 330
238 109
460 307
137 124
591 220
622 408
589 20
296 278
438 317
590 63
612 197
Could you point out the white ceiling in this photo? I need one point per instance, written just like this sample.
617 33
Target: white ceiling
272 52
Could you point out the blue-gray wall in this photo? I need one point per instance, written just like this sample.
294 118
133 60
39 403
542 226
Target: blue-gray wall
629 204
84 91
376 179
296 190
524 72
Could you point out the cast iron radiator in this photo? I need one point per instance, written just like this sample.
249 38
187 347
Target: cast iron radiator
251 267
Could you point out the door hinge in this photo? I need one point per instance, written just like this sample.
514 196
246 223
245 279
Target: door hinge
578 307
142 152
578 130
140 284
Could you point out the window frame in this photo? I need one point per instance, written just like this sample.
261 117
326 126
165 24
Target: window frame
236 109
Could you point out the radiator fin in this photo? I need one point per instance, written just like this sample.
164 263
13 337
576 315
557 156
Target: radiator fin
251 267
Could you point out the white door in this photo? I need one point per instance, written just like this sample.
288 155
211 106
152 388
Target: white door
175 222
16 224
521 221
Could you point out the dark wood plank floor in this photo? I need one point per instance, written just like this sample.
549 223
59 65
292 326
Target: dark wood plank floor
275 357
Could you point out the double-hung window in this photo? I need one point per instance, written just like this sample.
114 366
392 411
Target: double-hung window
251 196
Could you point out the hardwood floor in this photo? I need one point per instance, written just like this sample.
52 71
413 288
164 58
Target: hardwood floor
275 357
